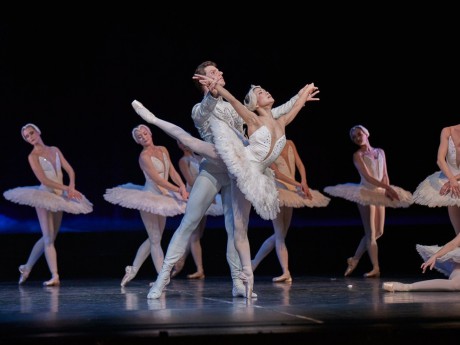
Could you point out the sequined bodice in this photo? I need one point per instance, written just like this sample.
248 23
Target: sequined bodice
374 165
260 144
162 167
48 168
451 157
51 173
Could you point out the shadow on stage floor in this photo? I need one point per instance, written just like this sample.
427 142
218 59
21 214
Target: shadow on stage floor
319 307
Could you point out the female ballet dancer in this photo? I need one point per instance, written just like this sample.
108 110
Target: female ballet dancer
189 166
292 194
445 259
372 195
51 199
440 189
249 164
155 200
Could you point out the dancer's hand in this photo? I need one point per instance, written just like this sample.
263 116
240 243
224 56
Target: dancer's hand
429 264
209 82
183 192
309 91
391 194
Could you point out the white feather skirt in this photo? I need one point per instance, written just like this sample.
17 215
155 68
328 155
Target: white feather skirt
35 197
134 196
365 196
446 263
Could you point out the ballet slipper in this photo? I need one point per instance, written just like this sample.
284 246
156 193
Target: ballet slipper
196 275
352 263
131 272
143 112
372 274
24 274
157 288
52 282
285 278
239 290
395 286
248 280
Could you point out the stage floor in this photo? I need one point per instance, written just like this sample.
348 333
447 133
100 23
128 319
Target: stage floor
312 309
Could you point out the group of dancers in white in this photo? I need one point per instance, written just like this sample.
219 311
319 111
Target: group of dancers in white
227 172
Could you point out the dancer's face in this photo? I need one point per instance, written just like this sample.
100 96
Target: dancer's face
213 72
30 135
143 136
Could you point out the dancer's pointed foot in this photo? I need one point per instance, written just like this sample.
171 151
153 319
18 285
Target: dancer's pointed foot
25 271
131 272
372 274
285 278
143 112
157 288
248 280
352 263
196 275
52 282
395 286
239 290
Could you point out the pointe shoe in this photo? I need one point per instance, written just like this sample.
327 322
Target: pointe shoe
248 281
239 290
143 112
131 272
24 274
394 286
52 282
157 288
372 274
285 278
196 275
352 263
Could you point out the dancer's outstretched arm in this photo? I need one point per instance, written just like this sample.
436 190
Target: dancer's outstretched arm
196 145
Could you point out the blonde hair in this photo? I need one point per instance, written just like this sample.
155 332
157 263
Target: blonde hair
29 125
361 127
138 128
250 100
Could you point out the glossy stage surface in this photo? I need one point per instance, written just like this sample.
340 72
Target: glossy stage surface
313 309
320 306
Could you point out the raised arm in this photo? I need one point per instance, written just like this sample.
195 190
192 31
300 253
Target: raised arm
306 94
283 109
213 84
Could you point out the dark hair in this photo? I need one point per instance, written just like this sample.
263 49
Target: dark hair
200 70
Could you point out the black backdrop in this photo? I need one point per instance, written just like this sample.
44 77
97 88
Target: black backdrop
392 70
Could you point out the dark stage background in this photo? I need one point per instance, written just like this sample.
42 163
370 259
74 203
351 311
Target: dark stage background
392 70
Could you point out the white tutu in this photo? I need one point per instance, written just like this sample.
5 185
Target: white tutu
35 197
290 197
446 263
365 196
134 196
427 192
259 188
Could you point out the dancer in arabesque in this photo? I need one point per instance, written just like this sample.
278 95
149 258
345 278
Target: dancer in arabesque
254 180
